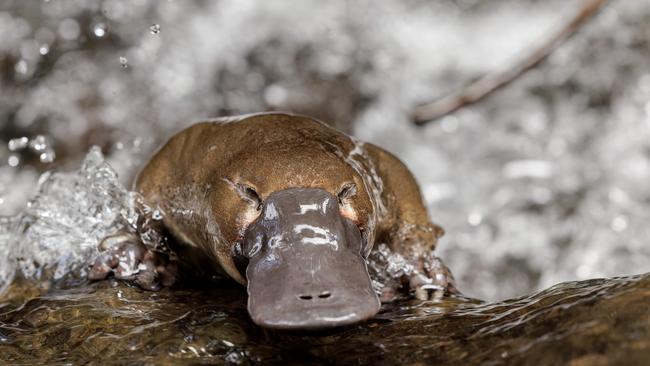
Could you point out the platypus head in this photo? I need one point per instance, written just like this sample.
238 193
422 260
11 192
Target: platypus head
294 201
306 268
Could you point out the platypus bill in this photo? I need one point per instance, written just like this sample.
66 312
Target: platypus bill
289 207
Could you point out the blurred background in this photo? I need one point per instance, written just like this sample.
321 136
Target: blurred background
545 181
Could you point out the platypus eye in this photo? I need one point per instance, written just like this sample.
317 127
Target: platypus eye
347 191
249 194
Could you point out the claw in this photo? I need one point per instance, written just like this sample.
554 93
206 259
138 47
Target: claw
104 265
127 258
435 283
147 278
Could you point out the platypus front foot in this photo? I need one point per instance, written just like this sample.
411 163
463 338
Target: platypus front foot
127 258
431 279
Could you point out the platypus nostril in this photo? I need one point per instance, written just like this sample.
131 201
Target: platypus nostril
325 295
305 297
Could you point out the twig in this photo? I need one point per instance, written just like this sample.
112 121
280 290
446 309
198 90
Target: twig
492 81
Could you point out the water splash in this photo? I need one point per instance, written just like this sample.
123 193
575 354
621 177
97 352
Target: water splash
18 143
7 267
39 145
64 222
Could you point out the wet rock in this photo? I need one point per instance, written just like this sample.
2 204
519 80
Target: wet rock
603 321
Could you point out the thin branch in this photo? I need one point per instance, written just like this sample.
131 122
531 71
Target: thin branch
492 81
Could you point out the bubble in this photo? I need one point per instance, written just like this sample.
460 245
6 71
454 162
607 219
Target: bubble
100 29
47 156
14 160
154 28
124 62
44 50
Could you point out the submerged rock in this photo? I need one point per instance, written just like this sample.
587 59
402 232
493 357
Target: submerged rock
602 321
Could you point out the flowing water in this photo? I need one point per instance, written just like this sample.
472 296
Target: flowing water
544 182
594 322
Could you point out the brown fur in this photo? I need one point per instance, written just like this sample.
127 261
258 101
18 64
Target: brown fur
191 179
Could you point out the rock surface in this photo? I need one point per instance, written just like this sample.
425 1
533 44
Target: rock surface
594 322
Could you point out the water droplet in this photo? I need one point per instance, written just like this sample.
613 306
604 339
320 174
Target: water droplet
124 62
154 28
44 50
100 29
14 160
21 67
38 143
18 143
47 156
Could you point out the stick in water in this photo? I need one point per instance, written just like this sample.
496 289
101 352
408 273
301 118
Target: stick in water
490 82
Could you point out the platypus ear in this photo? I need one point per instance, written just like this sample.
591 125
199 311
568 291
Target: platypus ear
348 190
249 194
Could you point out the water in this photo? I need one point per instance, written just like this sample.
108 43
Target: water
544 182
577 323
100 29
70 210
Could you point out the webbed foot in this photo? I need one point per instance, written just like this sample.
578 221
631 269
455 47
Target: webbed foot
126 257
431 279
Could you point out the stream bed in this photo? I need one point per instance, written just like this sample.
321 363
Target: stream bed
593 322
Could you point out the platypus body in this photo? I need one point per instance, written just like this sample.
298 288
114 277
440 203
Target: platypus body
289 207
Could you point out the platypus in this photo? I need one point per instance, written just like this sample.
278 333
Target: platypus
289 207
